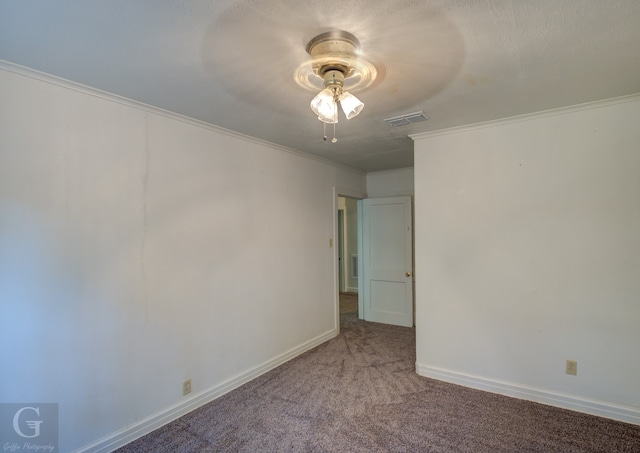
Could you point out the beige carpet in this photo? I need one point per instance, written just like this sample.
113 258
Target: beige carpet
359 393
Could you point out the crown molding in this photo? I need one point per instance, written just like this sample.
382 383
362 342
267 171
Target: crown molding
528 116
14 68
391 171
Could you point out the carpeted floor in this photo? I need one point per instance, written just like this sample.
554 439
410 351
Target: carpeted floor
359 393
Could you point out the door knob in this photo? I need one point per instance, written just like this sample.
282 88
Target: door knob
408 274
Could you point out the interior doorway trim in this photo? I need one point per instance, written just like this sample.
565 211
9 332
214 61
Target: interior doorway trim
349 193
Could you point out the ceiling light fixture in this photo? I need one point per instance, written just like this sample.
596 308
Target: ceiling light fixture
335 60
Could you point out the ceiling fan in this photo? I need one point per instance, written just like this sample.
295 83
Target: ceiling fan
286 55
335 60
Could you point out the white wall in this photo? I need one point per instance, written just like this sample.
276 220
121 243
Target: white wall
138 249
528 254
390 183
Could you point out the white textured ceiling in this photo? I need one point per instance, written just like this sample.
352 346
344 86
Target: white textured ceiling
231 63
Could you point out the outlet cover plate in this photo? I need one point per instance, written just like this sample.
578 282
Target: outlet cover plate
186 387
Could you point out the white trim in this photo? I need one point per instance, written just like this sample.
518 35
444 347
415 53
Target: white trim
70 85
145 426
393 170
349 193
360 215
527 116
577 403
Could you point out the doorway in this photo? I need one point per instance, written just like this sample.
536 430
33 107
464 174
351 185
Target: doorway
376 271
347 251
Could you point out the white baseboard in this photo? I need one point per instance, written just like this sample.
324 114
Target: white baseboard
155 421
605 409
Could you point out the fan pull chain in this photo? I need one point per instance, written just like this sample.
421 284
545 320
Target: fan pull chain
324 135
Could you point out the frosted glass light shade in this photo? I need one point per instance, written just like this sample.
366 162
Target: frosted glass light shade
330 116
322 104
351 105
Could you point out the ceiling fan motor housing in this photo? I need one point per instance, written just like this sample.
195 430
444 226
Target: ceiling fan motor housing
333 50
337 61
333 42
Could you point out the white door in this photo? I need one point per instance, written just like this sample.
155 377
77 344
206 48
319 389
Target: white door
387 260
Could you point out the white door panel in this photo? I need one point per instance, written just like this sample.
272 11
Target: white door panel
387 260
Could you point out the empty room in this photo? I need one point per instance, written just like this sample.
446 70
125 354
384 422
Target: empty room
320 226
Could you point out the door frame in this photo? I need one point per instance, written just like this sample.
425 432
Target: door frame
358 195
340 246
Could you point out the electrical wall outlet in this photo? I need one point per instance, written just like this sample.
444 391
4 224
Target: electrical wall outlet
186 387
572 367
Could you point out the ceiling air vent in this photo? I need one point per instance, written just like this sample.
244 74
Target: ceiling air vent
409 118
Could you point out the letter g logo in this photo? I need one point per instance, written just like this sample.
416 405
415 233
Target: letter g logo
34 425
